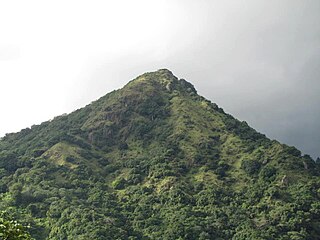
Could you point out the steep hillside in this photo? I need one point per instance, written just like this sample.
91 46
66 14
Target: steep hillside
154 160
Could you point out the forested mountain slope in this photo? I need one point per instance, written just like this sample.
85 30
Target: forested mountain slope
154 160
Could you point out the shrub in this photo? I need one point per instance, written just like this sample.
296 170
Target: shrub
250 166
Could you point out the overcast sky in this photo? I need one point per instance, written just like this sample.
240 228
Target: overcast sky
257 59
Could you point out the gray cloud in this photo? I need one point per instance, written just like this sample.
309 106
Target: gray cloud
271 75
259 60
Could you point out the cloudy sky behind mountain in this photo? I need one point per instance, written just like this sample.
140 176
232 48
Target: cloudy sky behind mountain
258 59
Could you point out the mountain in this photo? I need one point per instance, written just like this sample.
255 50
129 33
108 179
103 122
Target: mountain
154 160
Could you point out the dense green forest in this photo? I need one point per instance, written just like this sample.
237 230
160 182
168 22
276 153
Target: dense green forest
154 160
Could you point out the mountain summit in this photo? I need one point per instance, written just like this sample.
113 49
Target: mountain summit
154 160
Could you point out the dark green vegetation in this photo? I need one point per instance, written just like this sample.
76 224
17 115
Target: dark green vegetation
154 160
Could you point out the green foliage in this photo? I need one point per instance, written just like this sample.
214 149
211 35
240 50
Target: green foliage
268 173
11 229
251 167
156 161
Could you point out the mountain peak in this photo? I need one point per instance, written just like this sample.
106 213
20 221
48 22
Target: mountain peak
167 80
161 75
154 160
162 72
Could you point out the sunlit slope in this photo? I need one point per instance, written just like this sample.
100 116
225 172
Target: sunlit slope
154 160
